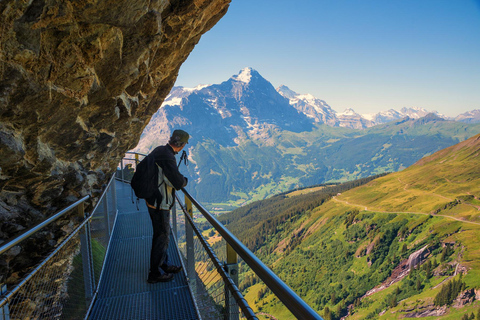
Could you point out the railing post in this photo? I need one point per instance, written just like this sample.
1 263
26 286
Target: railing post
105 214
121 169
86 251
137 160
4 312
174 221
232 269
114 195
190 247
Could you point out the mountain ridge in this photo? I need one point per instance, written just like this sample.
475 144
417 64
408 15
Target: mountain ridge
318 110
238 110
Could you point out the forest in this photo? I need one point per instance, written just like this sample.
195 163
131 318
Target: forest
253 223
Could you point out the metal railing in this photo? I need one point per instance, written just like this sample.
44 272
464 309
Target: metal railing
63 285
287 296
213 283
202 274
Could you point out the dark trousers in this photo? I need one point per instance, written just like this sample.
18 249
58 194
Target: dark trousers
161 237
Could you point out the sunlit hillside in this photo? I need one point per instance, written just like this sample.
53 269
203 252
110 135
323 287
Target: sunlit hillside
445 183
403 245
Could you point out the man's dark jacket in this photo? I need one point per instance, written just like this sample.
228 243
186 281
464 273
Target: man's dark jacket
165 158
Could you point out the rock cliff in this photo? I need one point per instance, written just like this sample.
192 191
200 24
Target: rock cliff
79 82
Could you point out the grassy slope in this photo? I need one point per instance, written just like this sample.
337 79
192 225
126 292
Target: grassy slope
429 185
329 259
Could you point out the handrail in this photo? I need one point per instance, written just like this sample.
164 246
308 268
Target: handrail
131 152
12 242
290 299
242 303
105 191
5 298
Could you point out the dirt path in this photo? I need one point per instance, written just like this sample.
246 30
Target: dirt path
407 212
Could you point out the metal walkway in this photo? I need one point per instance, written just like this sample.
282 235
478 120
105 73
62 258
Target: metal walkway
124 292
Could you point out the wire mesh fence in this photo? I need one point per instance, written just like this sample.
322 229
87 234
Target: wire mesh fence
209 288
213 296
273 283
44 295
63 284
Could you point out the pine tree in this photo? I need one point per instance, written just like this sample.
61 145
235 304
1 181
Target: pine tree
327 314
449 292
358 302
339 310
333 297
428 269
393 301
397 291
418 285
444 254
412 273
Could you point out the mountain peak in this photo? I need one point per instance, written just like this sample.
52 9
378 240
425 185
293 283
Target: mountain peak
349 112
245 75
429 117
286 92
469 117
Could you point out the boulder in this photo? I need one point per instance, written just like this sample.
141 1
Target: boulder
465 297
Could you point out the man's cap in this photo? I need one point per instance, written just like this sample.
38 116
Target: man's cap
180 136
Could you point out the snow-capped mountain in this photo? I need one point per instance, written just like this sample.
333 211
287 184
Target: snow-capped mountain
317 110
417 113
384 116
469 117
246 105
392 115
350 119
320 112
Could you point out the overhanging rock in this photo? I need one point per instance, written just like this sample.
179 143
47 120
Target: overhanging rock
79 81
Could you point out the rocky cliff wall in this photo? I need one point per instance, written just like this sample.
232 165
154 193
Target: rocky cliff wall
79 81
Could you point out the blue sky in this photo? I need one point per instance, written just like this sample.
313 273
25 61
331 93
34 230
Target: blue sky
368 55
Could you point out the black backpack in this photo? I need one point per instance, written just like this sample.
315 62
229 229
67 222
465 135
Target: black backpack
145 180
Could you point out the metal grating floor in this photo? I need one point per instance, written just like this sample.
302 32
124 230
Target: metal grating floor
124 292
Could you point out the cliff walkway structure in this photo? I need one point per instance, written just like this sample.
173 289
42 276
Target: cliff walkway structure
99 270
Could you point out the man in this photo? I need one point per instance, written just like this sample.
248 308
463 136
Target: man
169 179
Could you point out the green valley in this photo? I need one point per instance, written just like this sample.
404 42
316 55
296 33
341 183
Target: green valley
282 160
405 244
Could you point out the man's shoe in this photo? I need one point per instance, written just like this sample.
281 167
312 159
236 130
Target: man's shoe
160 278
171 269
